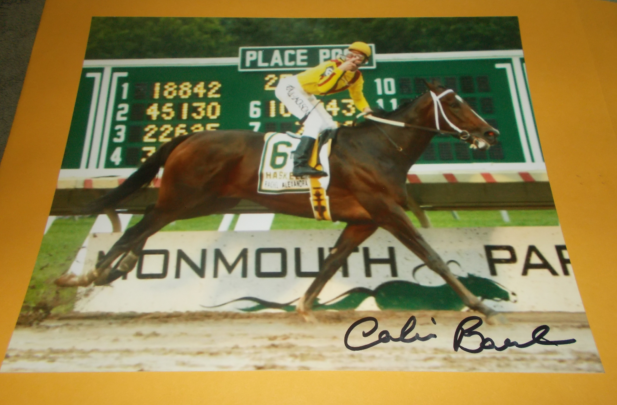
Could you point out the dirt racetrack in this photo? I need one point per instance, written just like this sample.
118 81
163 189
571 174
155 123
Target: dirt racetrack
216 341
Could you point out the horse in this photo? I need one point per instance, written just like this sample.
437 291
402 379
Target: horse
210 172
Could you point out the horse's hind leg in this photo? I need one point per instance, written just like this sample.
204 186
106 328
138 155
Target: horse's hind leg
124 265
132 242
132 253
134 237
352 236
153 220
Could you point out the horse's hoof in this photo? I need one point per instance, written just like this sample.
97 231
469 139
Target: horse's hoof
68 280
102 278
497 318
307 315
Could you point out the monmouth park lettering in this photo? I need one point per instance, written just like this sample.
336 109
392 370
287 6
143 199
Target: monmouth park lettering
280 262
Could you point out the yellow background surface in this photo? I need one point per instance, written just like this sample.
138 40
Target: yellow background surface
571 53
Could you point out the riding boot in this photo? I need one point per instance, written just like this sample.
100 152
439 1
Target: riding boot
302 155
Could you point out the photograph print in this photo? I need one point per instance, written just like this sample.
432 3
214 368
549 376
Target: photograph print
303 194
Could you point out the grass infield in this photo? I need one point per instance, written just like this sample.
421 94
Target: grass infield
439 219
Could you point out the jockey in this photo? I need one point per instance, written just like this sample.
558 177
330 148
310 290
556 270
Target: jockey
298 93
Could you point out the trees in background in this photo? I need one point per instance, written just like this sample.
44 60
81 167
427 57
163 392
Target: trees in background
129 37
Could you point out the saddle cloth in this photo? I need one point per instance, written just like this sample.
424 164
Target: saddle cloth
275 171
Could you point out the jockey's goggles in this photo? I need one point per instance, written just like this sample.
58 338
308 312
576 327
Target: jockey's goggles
356 55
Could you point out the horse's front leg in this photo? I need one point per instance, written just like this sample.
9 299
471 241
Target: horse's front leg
352 236
399 225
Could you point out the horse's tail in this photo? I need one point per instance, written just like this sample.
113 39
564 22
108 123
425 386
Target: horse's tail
144 175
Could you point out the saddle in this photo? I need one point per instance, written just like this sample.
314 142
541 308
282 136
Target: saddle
275 170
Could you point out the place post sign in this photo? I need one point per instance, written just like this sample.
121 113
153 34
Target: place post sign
292 57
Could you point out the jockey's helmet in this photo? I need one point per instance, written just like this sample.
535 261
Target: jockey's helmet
362 48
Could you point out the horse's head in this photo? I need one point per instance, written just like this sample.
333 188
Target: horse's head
454 115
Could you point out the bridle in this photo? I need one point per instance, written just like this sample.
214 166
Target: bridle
458 133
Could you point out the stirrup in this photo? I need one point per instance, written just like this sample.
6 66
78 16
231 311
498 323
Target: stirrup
300 171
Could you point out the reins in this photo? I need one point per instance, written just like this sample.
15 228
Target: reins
461 134
399 148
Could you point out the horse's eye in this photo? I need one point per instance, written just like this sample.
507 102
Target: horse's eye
455 104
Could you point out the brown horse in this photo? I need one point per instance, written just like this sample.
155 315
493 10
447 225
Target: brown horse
209 172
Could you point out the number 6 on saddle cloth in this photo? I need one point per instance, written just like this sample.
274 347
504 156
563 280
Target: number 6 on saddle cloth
276 166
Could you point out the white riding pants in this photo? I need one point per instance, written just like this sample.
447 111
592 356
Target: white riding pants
298 102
